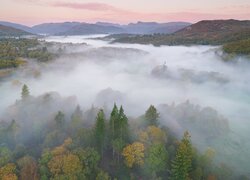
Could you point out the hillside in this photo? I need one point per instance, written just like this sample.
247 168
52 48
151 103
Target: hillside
17 26
153 27
10 31
214 32
54 28
86 29
239 47
77 28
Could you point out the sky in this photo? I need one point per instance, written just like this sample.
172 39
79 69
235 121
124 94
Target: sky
32 12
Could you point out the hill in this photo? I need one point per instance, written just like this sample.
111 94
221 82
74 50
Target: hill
153 27
17 26
10 31
86 29
77 28
213 32
54 28
239 47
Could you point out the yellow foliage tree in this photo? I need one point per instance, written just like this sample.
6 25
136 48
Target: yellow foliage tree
7 172
152 135
134 154
68 165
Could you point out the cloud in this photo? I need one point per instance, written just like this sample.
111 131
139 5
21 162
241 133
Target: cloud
87 6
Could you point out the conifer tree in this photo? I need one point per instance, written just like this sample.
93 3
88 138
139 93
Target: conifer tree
99 131
151 116
182 164
25 91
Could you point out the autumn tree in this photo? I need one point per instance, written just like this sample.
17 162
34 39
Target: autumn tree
151 116
182 164
152 135
28 168
99 131
64 164
25 92
8 172
134 154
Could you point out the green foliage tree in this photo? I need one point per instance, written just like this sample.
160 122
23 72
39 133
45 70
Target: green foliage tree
60 119
151 116
76 119
90 159
114 116
99 131
25 92
103 176
156 159
182 164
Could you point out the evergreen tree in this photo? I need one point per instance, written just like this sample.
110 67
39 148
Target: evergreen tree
123 125
76 119
60 119
113 122
25 92
151 116
99 131
181 166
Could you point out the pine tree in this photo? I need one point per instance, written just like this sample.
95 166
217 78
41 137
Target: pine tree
181 166
60 119
76 119
99 131
113 122
25 92
151 116
123 125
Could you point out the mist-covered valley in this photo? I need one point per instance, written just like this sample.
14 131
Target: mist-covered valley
193 87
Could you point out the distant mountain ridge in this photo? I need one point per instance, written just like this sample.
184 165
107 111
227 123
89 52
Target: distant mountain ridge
10 31
209 32
77 28
17 26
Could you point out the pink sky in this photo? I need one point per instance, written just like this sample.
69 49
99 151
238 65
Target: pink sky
31 12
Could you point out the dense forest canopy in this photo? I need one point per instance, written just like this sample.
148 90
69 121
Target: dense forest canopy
45 135
67 145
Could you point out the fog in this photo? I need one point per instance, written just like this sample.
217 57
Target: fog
98 73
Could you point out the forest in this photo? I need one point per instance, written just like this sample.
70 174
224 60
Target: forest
15 51
96 144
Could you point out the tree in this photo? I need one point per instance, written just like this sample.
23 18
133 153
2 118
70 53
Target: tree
28 167
123 125
151 116
25 92
156 159
181 166
66 165
8 172
134 154
103 176
152 135
99 131
5 156
117 145
113 121
60 119
76 119
90 159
